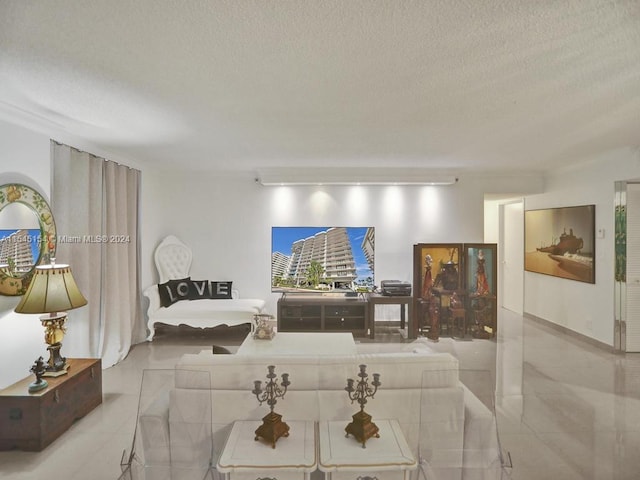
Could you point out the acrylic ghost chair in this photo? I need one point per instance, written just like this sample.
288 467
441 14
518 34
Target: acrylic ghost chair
186 453
480 457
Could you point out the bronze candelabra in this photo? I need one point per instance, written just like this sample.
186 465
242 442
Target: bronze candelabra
362 428
272 427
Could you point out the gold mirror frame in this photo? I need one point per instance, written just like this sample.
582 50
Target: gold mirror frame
18 193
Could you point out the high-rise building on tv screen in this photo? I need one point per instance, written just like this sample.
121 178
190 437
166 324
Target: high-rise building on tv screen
322 259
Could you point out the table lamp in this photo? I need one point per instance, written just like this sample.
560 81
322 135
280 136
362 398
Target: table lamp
52 291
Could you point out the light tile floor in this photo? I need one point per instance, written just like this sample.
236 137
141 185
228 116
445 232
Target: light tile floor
566 409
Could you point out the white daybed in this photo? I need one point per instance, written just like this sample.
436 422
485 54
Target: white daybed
173 261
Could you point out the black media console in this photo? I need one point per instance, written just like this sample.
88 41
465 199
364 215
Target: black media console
297 313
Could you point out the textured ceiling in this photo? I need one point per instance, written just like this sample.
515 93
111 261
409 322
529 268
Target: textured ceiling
236 84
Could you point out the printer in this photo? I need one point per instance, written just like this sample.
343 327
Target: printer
395 288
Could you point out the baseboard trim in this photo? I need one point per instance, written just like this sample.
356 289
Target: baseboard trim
571 333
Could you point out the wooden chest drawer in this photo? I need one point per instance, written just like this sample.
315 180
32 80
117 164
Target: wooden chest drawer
33 421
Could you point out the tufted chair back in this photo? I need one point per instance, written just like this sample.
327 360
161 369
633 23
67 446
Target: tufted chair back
173 259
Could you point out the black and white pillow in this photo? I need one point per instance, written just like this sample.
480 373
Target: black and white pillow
221 290
199 289
174 290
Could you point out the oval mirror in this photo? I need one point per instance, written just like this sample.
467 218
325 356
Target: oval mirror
27 236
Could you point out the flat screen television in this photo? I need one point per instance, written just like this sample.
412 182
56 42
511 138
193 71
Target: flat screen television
322 259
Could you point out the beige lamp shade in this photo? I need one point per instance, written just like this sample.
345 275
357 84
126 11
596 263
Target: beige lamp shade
52 289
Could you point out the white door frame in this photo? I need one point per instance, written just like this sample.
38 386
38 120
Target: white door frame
511 255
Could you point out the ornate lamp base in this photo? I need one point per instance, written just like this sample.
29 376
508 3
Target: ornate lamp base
53 335
272 428
362 428
57 364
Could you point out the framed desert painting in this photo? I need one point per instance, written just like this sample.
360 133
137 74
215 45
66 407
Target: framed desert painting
561 242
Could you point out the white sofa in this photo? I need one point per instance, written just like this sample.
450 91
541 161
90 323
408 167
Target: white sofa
173 261
188 427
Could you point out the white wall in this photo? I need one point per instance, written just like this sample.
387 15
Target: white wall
227 221
582 307
24 158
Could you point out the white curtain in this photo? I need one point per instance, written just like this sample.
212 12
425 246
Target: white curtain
95 204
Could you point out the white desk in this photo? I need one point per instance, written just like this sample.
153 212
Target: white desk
386 457
300 343
244 458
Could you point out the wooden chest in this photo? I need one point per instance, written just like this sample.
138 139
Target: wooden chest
31 421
